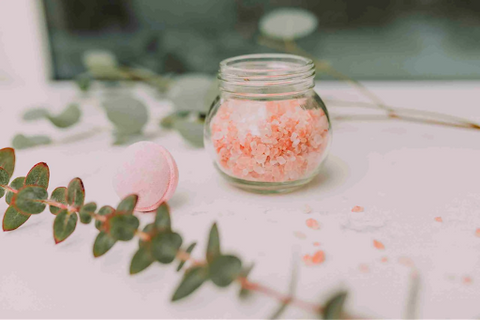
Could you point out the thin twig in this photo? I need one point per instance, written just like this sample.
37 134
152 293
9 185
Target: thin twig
8 188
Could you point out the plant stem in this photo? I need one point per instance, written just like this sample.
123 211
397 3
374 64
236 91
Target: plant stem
8 188
412 113
142 235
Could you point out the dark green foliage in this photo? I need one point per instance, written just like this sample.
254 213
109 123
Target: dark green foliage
162 218
127 205
213 247
64 225
4 179
7 160
189 250
334 306
165 247
123 226
76 193
104 211
141 260
86 212
225 269
58 195
102 244
16 184
39 175
192 280
26 201
13 219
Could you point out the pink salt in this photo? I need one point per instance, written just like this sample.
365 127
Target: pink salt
274 141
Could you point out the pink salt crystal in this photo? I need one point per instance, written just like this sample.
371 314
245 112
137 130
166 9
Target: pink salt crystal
313 224
357 209
299 235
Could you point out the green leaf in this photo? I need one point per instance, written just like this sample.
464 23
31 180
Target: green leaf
7 160
39 175
123 226
76 193
13 219
165 247
4 178
21 141
162 218
189 92
16 184
104 211
191 130
103 243
334 306
58 195
27 199
64 225
192 280
225 269
127 205
129 115
86 212
288 23
189 250
213 247
244 293
70 116
141 260
83 82
35 114
168 121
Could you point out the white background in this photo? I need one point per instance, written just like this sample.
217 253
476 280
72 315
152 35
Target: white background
403 174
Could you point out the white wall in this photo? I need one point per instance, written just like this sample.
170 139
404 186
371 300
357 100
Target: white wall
23 46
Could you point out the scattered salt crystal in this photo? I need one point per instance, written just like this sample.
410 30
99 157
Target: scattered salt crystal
316 244
384 259
317 258
299 235
313 224
438 219
364 268
357 209
477 232
377 244
307 209
467 280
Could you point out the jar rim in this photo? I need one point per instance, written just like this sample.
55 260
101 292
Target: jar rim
265 65
266 69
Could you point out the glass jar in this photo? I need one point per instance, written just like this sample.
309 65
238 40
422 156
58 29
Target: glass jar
267 131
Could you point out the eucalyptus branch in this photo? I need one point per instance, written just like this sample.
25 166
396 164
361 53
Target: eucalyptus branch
158 242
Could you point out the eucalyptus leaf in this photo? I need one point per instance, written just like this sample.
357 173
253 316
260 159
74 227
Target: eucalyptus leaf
288 23
141 260
67 118
27 200
191 130
189 250
7 160
192 280
86 212
189 92
127 205
23 142
213 246
123 226
76 193
101 63
225 269
13 219
334 306
16 184
162 218
64 225
165 247
127 114
84 82
169 121
104 211
35 114
4 179
58 195
39 175
103 243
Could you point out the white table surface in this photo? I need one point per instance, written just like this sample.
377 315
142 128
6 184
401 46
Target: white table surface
403 174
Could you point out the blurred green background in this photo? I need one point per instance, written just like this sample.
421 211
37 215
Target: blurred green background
364 39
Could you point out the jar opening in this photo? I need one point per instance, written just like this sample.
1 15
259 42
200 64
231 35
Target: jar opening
274 72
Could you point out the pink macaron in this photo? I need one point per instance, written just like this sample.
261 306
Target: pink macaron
148 170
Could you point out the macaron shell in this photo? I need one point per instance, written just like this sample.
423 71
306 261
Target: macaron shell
148 170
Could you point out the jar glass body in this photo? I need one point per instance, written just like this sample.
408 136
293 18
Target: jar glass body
268 135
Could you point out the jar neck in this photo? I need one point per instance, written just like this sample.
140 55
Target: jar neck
264 75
